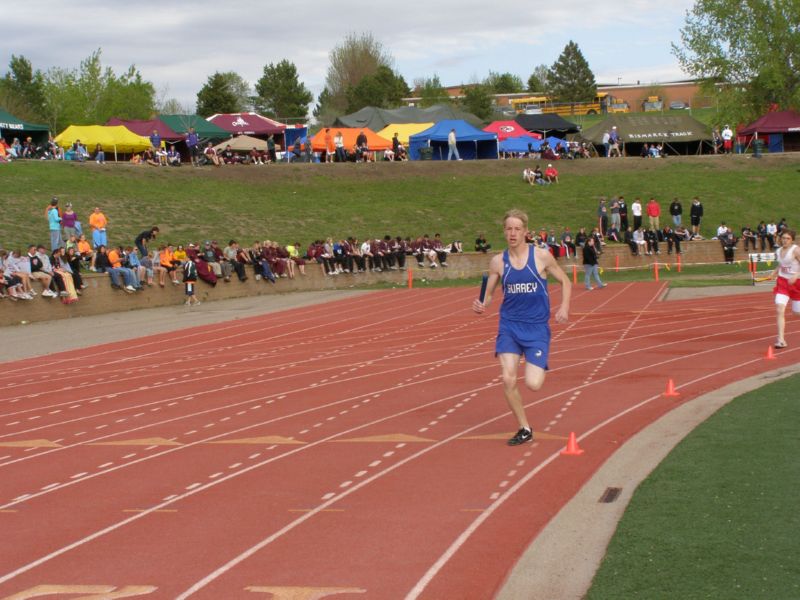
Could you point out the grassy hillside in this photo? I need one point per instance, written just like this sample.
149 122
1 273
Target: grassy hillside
302 202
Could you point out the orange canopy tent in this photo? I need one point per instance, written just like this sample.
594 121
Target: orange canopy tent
350 134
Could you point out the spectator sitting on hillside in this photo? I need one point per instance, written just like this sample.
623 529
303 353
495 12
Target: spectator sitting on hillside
9 283
110 261
613 234
438 247
231 257
481 245
568 243
580 237
651 237
641 244
18 266
256 157
173 158
528 176
203 270
211 156
72 257
62 272
672 239
629 239
749 238
728 241
228 156
149 158
38 272
551 174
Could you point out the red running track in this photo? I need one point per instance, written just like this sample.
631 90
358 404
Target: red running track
355 448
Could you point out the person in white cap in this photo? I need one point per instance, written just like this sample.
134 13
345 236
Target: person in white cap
551 174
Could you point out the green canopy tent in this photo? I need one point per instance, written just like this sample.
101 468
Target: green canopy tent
680 134
11 127
205 130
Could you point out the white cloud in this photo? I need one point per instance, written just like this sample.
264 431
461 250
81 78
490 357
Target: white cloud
177 45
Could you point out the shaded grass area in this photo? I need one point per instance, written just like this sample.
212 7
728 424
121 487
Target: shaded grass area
303 202
718 518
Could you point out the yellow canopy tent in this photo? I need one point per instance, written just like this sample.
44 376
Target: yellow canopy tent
403 131
113 138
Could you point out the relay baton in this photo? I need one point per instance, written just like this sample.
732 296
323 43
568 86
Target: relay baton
484 281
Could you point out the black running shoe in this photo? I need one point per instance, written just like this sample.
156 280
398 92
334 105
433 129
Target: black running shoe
522 436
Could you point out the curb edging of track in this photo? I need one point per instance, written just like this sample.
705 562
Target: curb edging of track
562 560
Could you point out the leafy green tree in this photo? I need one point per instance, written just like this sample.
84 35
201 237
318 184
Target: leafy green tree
218 96
323 111
91 95
537 82
279 92
748 54
570 79
478 100
24 87
504 83
358 56
384 89
431 92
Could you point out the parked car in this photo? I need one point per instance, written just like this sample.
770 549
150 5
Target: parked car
678 105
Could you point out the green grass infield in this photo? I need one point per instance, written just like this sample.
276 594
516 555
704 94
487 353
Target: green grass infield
718 518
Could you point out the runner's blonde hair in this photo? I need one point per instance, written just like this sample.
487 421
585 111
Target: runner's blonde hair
515 213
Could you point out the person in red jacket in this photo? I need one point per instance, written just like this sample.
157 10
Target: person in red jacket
653 214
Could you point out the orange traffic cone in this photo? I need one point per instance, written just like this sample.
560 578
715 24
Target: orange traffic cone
572 448
670 392
770 354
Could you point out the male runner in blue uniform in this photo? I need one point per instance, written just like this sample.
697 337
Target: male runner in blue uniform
524 314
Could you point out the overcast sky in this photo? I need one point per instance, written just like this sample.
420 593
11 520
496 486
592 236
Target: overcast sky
176 45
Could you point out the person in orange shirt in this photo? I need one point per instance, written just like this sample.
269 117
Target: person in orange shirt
85 251
130 278
166 257
98 222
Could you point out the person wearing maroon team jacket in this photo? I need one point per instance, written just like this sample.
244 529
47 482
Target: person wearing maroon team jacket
398 248
438 247
428 251
386 252
359 263
376 257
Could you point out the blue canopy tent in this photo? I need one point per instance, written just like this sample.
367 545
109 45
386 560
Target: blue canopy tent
522 143
472 143
291 134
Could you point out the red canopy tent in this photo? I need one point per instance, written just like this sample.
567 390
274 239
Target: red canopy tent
783 121
509 129
780 128
145 128
247 124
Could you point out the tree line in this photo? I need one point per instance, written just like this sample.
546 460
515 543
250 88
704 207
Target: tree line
747 55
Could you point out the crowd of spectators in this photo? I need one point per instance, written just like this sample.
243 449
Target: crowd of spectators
131 268
146 262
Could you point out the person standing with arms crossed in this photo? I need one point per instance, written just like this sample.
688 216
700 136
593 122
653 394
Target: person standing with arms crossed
787 286
522 270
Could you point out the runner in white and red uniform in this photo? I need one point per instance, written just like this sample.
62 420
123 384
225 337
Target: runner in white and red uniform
787 286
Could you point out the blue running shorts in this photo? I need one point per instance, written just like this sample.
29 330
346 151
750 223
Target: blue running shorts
530 339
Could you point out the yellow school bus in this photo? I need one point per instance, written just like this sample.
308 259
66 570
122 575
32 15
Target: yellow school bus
534 105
